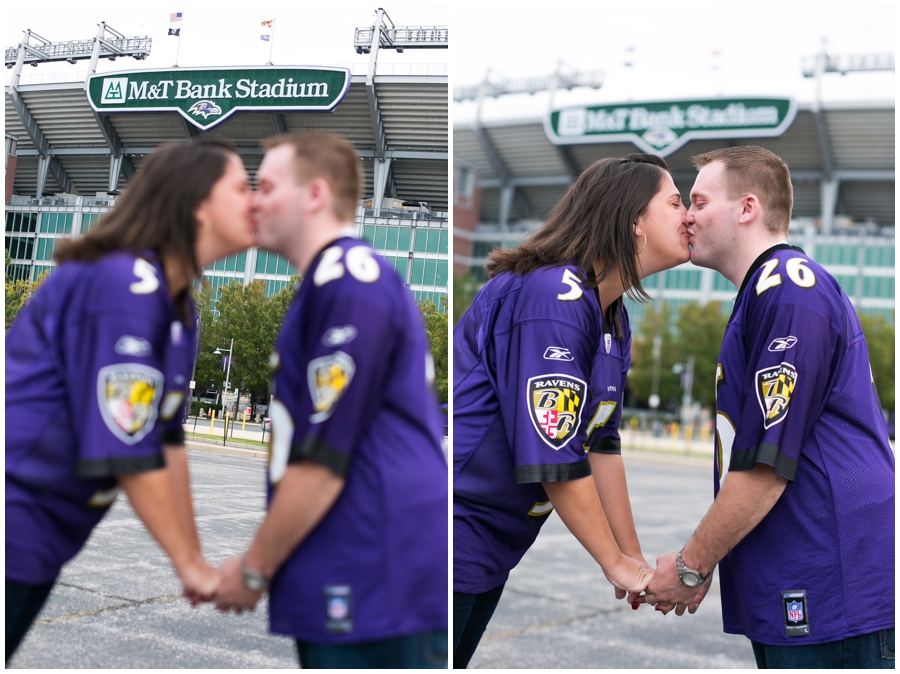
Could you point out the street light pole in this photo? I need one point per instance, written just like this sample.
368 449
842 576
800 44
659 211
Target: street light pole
218 352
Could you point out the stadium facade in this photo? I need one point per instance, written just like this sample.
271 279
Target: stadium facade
508 175
73 139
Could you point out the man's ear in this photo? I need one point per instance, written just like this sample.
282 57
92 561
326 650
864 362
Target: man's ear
751 209
318 194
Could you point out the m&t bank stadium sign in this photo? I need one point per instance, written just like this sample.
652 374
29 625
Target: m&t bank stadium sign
663 127
207 97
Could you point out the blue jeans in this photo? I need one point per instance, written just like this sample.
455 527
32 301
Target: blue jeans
426 650
867 651
471 614
23 603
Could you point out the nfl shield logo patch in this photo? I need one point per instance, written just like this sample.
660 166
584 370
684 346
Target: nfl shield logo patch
607 341
128 396
795 611
774 387
329 377
554 403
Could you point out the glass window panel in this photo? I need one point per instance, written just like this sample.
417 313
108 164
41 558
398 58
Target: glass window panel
434 240
393 235
292 270
421 240
369 233
45 222
282 265
848 283
12 219
430 270
69 217
241 264
418 270
380 237
32 219
445 235
404 238
272 264
261 262
402 266
229 262
441 279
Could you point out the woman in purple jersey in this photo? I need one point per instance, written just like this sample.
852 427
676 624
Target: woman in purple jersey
94 342
561 290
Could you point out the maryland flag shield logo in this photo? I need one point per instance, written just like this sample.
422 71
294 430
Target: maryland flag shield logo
774 387
128 395
555 402
329 377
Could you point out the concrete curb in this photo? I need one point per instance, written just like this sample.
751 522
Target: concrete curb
230 451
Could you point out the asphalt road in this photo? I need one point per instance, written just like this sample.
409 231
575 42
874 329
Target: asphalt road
118 603
558 611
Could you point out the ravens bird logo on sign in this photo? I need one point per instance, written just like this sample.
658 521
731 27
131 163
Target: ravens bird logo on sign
205 108
774 387
555 402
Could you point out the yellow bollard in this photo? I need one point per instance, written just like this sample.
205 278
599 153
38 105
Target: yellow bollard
704 433
212 420
244 422
688 432
674 430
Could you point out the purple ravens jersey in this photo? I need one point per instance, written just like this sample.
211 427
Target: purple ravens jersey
795 391
353 392
96 369
536 383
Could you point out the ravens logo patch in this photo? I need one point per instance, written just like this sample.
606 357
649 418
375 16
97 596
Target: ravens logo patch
329 377
128 395
774 387
554 403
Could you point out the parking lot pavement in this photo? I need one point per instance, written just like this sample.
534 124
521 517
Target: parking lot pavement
118 603
558 611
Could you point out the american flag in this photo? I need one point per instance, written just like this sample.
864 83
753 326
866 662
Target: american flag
175 17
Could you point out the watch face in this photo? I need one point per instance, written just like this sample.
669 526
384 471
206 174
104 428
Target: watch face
690 579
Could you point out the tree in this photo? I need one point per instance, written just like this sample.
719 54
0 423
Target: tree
436 329
253 320
880 342
464 289
698 332
18 293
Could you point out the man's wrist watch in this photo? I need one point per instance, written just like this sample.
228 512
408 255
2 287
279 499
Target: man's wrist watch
253 580
689 577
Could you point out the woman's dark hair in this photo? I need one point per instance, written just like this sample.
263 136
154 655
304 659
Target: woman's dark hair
593 222
156 210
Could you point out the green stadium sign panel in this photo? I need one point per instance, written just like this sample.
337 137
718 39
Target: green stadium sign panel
208 96
662 127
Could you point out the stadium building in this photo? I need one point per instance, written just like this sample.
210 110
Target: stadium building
508 175
73 139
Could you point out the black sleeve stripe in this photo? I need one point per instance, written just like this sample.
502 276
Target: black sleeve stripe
554 472
320 452
606 446
768 454
173 436
109 467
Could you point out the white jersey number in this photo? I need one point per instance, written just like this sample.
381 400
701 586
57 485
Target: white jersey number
574 284
796 269
358 261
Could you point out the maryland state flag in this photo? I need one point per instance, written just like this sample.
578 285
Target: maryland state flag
554 403
267 24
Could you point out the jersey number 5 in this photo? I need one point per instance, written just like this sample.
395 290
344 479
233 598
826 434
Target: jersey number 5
358 261
574 284
796 269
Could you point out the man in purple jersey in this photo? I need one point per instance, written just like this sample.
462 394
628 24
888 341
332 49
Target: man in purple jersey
803 522
354 546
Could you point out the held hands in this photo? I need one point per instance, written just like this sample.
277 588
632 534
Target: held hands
629 575
666 590
199 581
232 594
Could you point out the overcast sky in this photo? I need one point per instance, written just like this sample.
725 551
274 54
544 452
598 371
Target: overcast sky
760 47
223 33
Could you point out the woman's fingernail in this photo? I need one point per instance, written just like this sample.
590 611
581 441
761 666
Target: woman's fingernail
634 607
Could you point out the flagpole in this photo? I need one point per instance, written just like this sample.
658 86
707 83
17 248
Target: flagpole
272 41
178 47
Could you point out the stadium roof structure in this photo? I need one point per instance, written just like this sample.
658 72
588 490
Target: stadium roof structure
841 158
393 113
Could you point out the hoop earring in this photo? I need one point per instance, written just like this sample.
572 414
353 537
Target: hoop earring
645 243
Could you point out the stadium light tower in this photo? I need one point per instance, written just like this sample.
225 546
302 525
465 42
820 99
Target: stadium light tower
383 34
34 49
816 66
